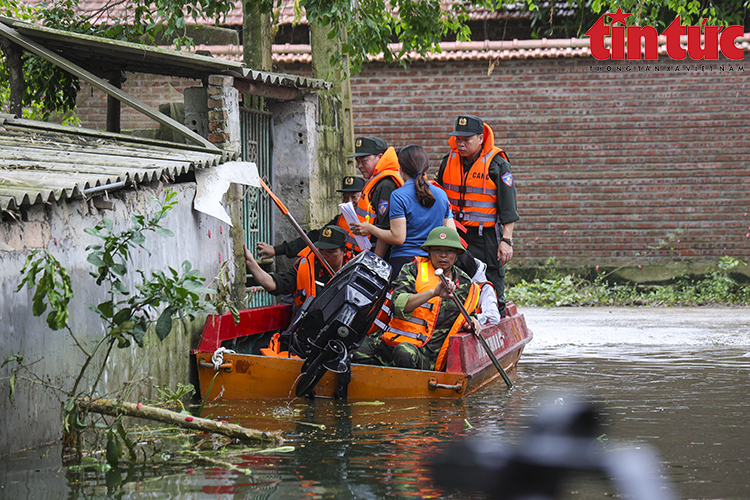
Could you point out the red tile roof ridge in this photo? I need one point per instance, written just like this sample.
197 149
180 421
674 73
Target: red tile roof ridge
474 50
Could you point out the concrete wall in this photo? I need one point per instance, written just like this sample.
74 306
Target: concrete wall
305 184
609 159
34 416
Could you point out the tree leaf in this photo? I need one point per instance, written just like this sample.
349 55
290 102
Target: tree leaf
12 386
106 309
122 316
164 323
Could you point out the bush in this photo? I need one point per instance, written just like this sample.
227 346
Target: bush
718 287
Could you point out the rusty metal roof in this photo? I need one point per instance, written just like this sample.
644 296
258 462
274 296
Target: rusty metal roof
43 163
101 54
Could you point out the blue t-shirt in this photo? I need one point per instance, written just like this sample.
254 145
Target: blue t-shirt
419 220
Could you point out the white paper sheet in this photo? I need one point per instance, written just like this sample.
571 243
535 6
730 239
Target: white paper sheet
213 183
347 211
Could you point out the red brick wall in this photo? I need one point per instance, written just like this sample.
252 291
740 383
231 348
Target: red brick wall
150 89
607 163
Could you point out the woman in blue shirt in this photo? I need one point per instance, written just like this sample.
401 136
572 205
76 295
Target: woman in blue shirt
416 208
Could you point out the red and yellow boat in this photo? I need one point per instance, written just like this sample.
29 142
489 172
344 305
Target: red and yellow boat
226 373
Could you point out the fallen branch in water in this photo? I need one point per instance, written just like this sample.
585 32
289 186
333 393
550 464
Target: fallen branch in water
117 408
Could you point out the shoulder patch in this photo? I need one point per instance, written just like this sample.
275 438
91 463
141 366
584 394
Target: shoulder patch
382 207
507 179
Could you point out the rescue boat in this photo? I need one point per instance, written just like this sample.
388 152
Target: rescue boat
230 367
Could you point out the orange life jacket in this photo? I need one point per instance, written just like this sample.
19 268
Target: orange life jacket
473 195
306 275
386 167
274 349
418 329
383 317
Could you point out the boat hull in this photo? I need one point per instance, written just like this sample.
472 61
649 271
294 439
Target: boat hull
237 376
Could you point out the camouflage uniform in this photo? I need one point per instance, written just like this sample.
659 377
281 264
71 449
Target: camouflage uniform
374 351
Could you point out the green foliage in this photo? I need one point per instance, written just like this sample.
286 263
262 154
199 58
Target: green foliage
125 315
49 90
53 288
567 290
12 380
128 317
166 396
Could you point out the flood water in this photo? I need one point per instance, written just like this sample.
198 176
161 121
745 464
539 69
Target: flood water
674 380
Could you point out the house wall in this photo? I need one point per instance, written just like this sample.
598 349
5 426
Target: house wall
299 170
609 159
151 89
58 228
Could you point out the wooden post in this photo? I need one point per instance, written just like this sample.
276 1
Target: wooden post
13 53
113 105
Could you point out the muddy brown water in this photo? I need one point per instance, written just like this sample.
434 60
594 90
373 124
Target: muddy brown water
674 380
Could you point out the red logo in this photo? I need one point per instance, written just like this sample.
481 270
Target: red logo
638 42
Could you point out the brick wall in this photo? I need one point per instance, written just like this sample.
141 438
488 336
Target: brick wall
608 161
151 89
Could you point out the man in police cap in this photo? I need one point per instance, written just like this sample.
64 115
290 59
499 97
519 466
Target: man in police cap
476 176
351 190
307 275
378 164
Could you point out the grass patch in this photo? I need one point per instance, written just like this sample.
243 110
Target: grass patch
717 287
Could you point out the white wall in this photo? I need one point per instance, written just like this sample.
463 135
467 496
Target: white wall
34 416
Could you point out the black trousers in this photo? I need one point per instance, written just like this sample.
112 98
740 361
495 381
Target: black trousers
484 248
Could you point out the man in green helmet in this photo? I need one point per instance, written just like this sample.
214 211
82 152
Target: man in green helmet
423 314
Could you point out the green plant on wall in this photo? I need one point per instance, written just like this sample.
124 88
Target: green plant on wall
126 314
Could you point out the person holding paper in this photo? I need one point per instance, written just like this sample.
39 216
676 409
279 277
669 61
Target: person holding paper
351 190
379 165
416 208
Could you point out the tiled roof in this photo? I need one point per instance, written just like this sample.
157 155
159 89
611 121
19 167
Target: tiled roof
455 51
42 162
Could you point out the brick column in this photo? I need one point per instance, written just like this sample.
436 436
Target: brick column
224 113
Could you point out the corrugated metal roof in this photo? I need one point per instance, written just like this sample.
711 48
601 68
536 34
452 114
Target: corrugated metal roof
42 162
101 54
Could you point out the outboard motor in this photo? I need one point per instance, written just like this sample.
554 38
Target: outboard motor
329 327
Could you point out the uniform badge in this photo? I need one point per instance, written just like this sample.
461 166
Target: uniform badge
462 121
358 144
382 207
507 179
348 181
327 233
443 236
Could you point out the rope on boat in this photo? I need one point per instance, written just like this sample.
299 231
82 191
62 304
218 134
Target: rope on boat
218 356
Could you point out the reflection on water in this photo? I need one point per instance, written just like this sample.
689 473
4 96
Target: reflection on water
676 380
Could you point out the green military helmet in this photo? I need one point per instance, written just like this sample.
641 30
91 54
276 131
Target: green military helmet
444 236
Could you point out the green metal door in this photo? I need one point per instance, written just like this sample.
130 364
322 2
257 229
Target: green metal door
257 147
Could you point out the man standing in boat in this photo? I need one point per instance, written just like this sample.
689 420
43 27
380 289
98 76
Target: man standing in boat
477 178
379 166
424 315
307 275
351 190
